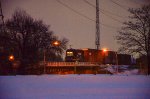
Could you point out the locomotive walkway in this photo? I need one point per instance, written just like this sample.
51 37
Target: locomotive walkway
72 64
67 68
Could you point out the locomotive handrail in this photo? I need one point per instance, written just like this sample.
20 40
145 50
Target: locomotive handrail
72 64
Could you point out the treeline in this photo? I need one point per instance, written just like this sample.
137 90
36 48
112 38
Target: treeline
29 40
134 36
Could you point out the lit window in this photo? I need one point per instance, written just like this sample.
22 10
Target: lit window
69 53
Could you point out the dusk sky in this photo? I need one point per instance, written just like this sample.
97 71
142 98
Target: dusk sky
75 20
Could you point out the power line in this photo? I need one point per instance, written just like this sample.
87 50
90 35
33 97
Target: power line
135 2
105 10
114 14
70 8
121 6
74 10
102 11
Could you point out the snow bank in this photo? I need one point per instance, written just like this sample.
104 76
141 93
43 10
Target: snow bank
75 87
122 70
130 72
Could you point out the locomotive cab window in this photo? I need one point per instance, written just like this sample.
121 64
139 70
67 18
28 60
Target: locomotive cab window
69 53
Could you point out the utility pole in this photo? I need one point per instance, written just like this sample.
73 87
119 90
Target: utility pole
1 24
97 36
1 15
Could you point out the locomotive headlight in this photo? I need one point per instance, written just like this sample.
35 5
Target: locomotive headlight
69 53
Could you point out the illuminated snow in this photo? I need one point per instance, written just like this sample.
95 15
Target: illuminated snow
75 87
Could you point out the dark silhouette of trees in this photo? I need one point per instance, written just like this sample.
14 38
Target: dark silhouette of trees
134 36
26 38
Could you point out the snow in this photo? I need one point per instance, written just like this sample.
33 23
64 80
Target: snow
75 87
130 72
124 70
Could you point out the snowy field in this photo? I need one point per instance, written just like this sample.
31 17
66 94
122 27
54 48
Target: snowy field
75 87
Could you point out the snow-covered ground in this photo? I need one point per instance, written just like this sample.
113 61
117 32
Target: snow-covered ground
122 70
75 87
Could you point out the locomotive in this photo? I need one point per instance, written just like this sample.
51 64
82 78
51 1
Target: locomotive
98 56
91 55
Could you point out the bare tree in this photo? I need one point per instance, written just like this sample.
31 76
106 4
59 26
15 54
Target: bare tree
25 37
134 36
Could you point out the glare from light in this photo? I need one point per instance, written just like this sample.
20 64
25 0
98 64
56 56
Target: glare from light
11 58
105 50
56 43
